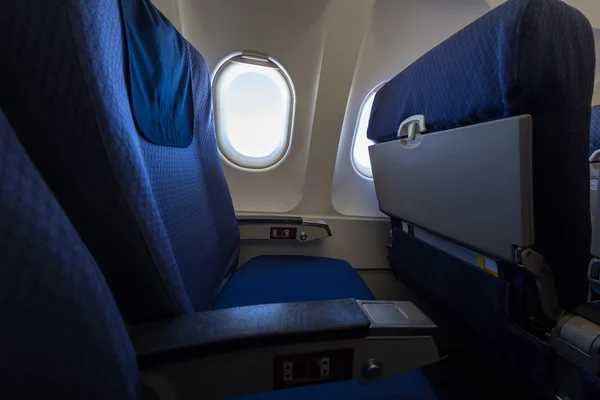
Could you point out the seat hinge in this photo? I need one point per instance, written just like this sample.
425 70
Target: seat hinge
412 126
534 262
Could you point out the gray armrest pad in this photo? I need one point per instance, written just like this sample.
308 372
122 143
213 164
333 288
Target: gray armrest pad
243 328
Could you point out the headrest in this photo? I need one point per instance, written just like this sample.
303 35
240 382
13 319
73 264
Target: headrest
160 80
595 130
523 57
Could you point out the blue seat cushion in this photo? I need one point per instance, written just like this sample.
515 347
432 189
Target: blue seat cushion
283 279
595 130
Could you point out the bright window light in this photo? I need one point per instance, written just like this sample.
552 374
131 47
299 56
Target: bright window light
254 105
360 148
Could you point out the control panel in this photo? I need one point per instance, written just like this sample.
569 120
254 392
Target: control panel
310 368
282 228
283 232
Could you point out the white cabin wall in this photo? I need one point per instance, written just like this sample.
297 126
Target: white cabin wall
346 29
293 32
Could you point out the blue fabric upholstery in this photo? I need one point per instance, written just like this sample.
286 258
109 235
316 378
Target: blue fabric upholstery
66 338
160 84
55 300
280 279
524 57
595 129
62 336
159 220
476 308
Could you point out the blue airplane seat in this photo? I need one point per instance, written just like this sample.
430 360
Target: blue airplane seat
86 86
595 130
62 335
531 57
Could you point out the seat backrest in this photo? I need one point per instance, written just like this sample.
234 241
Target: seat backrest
158 219
531 57
524 57
595 130
62 336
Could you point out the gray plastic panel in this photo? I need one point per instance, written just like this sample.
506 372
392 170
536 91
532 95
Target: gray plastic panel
470 184
578 339
396 318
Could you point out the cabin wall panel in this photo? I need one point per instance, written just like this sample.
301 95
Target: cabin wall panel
347 27
362 242
293 32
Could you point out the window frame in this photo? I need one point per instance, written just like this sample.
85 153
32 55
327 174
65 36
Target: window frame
226 148
360 169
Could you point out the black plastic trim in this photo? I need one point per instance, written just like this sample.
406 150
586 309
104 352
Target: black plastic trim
252 219
323 225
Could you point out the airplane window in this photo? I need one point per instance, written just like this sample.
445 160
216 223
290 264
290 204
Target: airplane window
360 148
254 105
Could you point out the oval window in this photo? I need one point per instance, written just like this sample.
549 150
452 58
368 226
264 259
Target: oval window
254 107
360 147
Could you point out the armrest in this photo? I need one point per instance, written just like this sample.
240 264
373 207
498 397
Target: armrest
282 228
577 338
242 328
280 346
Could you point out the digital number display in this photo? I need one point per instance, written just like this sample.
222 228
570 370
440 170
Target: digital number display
283 233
